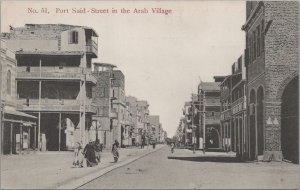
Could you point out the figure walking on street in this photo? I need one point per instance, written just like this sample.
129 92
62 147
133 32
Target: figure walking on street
172 147
153 144
143 142
77 161
115 151
89 154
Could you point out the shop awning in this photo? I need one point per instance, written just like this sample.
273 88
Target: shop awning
18 113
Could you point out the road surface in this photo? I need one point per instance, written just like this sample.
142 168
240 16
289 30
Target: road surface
187 171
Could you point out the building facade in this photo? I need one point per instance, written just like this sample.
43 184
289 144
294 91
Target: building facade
209 111
18 130
138 125
271 59
234 131
54 80
102 100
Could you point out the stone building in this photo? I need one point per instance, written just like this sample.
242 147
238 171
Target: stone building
109 100
209 114
103 98
54 80
18 129
272 59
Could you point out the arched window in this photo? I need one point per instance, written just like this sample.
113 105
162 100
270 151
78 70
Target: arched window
8 87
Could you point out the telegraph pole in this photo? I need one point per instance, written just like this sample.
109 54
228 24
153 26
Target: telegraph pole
193 129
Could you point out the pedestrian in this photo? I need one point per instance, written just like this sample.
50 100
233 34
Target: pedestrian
77 161
98 149
172 147
153 144
114 151
143 142
89 154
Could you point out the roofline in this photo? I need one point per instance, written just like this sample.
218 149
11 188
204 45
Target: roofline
104 64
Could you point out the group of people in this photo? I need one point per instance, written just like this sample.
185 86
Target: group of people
91 153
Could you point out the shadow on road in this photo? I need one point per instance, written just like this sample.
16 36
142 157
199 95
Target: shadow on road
207 159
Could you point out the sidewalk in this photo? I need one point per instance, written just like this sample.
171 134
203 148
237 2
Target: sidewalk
55 170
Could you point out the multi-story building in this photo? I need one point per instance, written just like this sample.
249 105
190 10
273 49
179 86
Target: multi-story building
272 58
110 100
238 107
187 124
143 108
18 130
129 127
225 118
103 98
138 125
156 125
54 80
209 110
233 110
118 105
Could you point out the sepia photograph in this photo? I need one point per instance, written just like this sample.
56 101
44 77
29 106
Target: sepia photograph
196 94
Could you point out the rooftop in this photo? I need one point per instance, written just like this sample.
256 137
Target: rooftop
209 86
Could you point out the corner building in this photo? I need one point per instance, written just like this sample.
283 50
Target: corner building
271 59
54 81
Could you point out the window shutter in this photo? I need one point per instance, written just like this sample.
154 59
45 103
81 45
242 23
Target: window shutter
246 57
70 36
76 37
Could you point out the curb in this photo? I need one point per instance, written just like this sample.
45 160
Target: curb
86 179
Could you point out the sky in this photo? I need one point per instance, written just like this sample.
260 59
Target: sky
163 57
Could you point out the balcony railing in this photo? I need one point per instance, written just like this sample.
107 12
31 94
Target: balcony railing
92 47
63 73
212 102
226 114
238 105
55 105
113 113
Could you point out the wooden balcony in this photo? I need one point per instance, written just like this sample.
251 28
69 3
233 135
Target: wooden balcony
113 113
54 105
226 114
212 102
54 73
92 48
238 105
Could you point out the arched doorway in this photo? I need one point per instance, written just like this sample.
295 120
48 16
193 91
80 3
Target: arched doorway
290 121
252 120
213 138
260 120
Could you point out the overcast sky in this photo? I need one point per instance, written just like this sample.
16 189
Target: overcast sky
162 56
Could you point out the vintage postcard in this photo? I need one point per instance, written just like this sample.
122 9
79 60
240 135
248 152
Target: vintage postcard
149 94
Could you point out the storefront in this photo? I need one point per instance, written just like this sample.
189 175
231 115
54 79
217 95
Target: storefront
18 132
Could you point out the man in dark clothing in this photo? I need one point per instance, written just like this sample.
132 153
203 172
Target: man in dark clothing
89 154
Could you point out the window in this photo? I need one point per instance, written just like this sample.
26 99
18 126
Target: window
8 87
254 45
262 33
258 40
250 50
73 37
